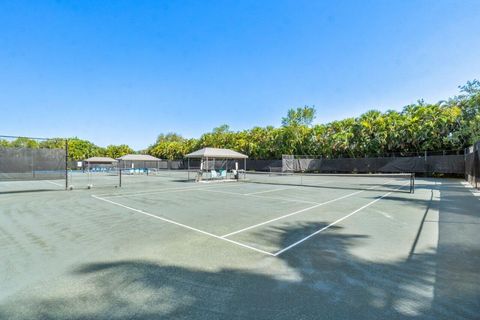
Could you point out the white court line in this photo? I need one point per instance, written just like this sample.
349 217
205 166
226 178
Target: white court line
221 191
57 184
257 196
335 222
283 199
163 190
289 214
266 191
235 242
299 211
182 225
474 191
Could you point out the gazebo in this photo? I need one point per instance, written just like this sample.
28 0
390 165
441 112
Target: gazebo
138 161
99 164
213 159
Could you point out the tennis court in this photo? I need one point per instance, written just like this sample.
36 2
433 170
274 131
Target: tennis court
269 246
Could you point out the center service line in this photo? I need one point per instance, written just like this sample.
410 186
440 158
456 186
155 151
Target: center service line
335 222
182 225
297 212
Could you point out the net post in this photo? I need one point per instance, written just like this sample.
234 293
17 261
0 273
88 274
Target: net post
412 182
66 164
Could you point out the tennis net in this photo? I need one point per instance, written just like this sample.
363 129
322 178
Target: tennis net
173 173
398 182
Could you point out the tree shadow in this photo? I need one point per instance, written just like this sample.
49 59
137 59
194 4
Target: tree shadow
322 280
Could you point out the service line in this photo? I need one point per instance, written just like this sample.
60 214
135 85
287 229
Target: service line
257 196
335 222
182 225
300 211
162 190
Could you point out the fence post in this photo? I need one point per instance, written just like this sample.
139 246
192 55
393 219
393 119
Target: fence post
66 164
425 163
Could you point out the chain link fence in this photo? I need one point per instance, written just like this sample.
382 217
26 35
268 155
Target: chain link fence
430 165
32 164
472 165
42 164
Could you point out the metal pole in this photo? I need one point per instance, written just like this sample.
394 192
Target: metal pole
426 166
66 164
244 168
412 183
32 153
89 180
120 177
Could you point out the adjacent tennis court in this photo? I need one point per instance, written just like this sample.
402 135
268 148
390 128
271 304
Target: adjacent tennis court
265 246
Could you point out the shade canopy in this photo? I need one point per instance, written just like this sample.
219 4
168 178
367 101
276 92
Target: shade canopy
216 153
138 157
100 160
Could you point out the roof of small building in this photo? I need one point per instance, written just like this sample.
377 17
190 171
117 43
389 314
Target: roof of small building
138 157
216 153
100 159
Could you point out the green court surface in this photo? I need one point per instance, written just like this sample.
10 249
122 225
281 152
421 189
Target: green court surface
162 247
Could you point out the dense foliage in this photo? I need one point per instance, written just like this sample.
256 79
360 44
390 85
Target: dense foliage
78 149
447 125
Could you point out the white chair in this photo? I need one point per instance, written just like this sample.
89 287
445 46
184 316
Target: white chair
214 174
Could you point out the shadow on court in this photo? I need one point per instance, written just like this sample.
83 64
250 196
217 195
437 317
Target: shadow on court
330 283
27 191
319 279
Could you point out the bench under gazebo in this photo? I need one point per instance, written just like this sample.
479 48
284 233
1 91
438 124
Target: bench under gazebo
139 162
216 164
100 164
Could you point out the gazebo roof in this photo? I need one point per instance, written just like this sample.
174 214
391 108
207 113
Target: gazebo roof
216 153
138 157
100 159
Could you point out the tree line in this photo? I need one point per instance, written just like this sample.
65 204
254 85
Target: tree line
78 149
451 124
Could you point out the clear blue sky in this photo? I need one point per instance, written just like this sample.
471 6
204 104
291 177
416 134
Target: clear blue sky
124 71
